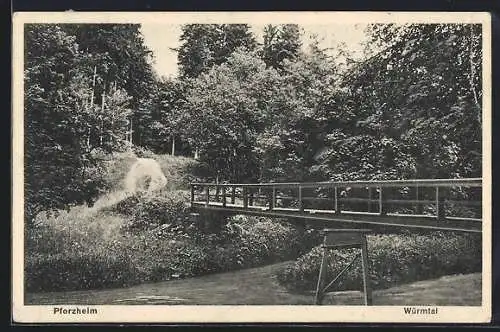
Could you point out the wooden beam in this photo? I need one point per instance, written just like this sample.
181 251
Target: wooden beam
396 220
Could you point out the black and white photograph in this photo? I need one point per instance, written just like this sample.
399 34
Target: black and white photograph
251 167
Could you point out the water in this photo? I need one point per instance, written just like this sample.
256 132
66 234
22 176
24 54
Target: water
258 286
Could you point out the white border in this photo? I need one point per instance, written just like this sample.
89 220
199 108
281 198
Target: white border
240 314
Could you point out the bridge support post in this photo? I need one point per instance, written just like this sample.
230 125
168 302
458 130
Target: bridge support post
334 239
367 289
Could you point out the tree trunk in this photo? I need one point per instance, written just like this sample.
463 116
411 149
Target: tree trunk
102 120
472 74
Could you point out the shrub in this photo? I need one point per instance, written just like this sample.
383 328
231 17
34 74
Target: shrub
394 259
76 249
149 211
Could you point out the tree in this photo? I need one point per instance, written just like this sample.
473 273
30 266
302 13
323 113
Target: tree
76 105
414 102
206 45
118 55
297 114
280 42
166 134
223 116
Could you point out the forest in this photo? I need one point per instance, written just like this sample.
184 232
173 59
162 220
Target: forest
275 110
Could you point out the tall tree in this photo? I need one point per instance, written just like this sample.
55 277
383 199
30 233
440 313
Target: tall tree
224 114
280 42
414 106
76 103
120 58
206 45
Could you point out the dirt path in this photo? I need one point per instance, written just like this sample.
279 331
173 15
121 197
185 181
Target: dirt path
259 286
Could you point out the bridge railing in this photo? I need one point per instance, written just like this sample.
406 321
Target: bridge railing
458 197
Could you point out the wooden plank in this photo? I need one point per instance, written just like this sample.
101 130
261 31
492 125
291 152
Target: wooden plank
464 182
343 239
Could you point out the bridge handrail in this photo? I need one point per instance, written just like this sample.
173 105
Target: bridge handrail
465 182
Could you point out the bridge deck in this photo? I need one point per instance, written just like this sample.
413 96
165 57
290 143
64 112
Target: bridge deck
271 200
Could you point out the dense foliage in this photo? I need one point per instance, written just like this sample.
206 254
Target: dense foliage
393 260
276 111
148 239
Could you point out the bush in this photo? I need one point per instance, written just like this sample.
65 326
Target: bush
148 240
394 259
149 211
76 249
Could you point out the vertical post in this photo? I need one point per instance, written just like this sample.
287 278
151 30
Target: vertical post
440 213
417 198
367 290
245 197
369 199
207 195
251 197
223 196
381 207
321 278
336 201
217 191
192 194
233 194
273 206
301 205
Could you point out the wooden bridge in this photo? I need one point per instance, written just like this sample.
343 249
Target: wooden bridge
439 204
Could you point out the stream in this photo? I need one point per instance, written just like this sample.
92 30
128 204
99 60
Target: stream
258 286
